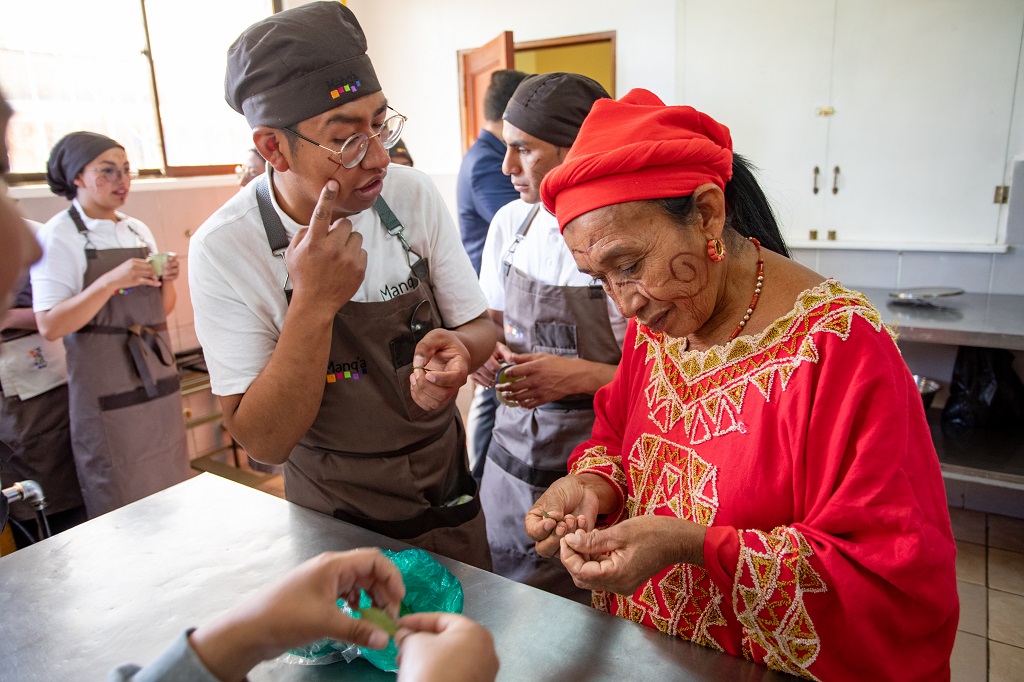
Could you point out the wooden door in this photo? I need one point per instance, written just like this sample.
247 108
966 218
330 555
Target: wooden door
475 69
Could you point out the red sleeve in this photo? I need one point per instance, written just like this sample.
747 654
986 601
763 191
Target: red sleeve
862 584
601 454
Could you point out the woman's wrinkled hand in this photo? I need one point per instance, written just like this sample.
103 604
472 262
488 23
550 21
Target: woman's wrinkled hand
622 557
571 503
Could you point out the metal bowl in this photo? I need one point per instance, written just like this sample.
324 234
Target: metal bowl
927 388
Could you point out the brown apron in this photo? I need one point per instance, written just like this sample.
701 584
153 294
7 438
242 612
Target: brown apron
127 430
38 433
373 457
529 448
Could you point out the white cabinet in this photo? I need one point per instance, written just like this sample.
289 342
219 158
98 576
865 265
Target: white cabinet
921 94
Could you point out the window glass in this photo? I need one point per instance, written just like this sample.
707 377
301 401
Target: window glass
66 66
189 58
69 65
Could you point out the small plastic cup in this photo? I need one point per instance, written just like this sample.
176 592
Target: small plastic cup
158 261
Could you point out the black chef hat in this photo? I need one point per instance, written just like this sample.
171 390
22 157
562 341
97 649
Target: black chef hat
552 106
298 64
70 155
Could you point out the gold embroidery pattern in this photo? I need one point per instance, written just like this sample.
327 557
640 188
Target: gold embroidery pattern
665 475
684 602
690 605
706 389
596 458
771 580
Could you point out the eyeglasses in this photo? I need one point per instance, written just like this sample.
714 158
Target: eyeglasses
354 149
422 320
112 175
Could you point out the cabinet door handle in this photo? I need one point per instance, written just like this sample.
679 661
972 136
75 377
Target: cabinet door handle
817 172
835 180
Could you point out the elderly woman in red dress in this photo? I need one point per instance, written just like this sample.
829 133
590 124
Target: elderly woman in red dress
760 478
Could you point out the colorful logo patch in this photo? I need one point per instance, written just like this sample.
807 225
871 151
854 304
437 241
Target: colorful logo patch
347 87
38 361
336 371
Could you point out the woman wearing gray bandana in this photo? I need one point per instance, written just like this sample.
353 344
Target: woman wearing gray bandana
102 287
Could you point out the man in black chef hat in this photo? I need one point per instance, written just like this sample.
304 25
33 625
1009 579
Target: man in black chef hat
337 310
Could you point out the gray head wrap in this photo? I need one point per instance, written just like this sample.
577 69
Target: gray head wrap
69 156
552 106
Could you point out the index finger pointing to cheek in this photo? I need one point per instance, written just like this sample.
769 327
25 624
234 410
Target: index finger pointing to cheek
324 210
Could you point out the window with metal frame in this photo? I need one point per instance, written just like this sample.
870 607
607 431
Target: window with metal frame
148 73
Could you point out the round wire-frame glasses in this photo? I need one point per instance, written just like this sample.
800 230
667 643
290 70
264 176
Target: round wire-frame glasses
354 149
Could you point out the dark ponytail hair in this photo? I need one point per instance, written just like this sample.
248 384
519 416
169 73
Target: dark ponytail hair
747 210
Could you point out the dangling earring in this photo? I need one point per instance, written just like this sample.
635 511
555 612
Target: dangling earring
716 249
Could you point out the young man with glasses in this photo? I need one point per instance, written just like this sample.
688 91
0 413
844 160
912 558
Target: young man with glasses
337 310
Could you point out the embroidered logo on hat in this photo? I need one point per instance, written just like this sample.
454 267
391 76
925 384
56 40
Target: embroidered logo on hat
352 86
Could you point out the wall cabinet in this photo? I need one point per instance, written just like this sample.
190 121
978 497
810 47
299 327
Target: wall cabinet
904 107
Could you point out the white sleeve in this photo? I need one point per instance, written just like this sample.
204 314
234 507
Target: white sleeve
237 343
492 273
59 274
455 285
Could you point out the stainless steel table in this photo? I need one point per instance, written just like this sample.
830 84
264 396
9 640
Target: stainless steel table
989 320
120 587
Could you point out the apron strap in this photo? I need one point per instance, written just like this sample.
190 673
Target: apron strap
272 225
277 237
520 233
395 229
76 218
538 478
90 248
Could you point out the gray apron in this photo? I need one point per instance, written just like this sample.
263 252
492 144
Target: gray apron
127 430
529 448
373 457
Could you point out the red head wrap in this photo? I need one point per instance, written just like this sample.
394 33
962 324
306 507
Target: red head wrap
636 148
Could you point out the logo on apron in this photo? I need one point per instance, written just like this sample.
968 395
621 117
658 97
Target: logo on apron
38 361
337 371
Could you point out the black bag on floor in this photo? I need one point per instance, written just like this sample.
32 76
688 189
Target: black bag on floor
985 391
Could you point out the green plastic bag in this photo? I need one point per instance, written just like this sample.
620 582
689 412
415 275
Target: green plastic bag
429 586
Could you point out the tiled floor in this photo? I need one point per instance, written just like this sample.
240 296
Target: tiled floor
990 578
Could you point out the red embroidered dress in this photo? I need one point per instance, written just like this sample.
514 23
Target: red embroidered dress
805 451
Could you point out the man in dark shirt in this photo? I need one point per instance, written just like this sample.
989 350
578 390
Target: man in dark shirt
481 190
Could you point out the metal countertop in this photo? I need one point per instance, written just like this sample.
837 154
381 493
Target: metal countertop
989 320
119 588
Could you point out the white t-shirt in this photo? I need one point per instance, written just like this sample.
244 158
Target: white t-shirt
236 282
60 273
542 255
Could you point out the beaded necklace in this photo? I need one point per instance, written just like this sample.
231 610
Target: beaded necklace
757 289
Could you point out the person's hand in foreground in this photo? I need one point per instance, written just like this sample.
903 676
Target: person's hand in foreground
571 503
444 647
622 557
299 609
